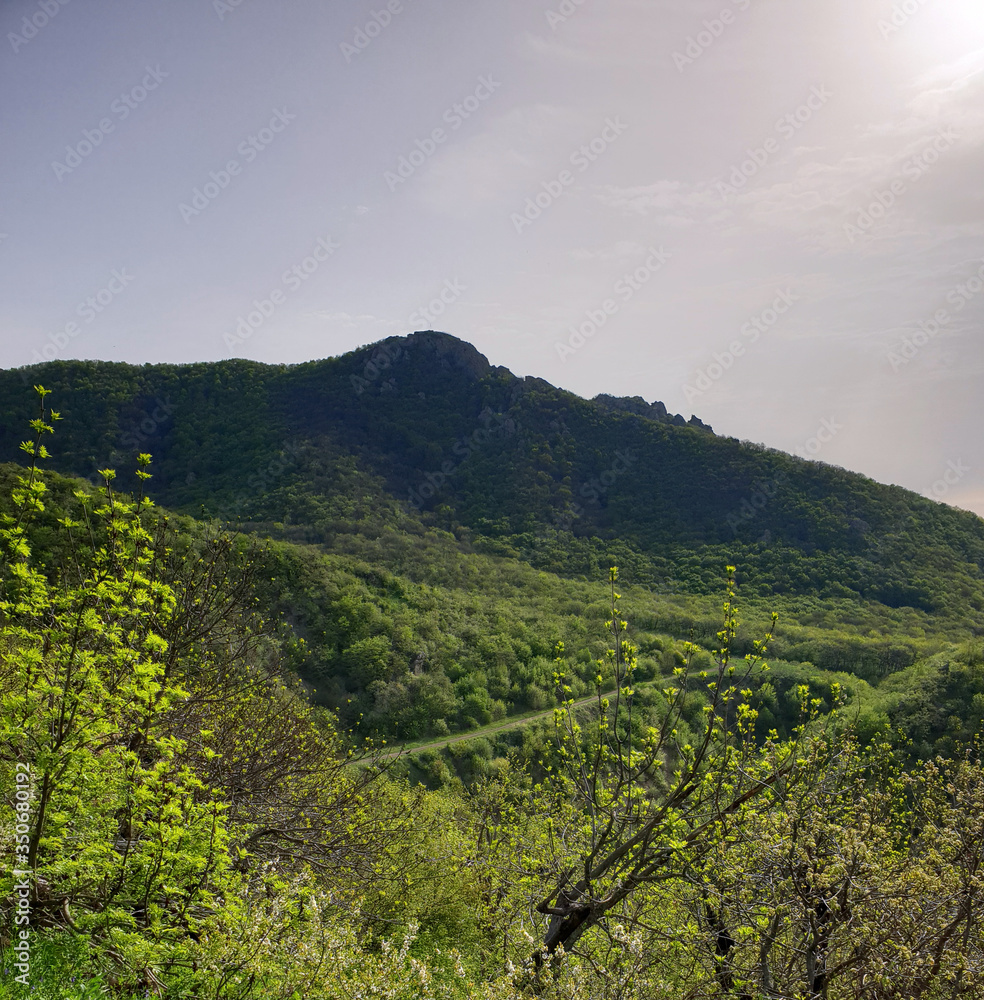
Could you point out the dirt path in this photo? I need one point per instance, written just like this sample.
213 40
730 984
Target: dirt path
495 727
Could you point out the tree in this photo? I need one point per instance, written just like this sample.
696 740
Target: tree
635 804
125 843
857 880
792 902
178 788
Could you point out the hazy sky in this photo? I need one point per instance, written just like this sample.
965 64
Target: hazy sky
768 213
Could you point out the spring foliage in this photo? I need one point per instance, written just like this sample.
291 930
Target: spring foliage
197 829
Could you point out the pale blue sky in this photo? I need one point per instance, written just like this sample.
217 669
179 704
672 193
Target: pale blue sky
702 171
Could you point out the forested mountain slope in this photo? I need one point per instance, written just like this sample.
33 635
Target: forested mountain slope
423 427
197 821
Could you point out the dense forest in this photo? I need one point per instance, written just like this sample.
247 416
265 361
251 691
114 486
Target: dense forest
422 430
318 681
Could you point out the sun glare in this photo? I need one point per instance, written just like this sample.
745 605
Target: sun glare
955 27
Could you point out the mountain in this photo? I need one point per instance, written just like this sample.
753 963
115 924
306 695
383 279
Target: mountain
424 427
435 525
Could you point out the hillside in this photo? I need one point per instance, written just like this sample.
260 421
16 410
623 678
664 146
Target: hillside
435 526
424 429
196 818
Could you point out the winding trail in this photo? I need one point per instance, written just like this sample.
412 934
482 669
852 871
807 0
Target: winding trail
516 722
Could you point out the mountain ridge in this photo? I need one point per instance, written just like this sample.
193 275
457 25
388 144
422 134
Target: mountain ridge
424 427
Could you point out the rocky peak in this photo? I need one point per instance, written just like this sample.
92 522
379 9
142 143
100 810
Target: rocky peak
448 351
653 411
